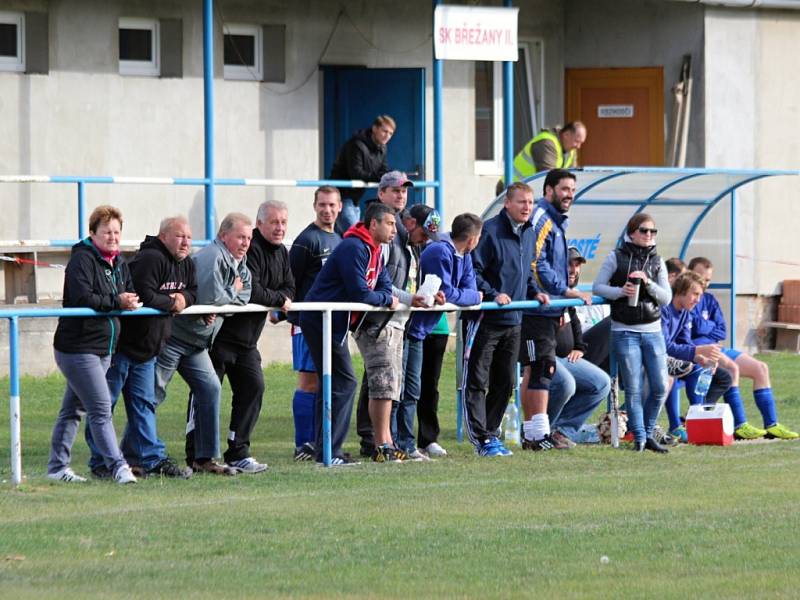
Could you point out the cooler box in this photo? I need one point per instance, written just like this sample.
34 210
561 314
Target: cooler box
710 424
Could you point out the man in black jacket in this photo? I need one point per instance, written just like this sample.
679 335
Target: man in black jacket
362 157
234 351
164 280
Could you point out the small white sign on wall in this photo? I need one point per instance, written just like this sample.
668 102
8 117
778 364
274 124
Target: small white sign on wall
615 111
475 33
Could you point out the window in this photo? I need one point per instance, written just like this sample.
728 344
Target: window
12 42
528 103
243 52
139 47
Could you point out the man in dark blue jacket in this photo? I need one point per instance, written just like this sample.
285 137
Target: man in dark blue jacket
502 262
353 273
550 268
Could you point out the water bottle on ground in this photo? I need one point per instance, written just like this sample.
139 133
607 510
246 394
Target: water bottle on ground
704 382
511 426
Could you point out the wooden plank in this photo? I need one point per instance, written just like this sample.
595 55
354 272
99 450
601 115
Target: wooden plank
779 325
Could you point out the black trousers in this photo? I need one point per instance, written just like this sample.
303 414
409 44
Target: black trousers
433 348
343 383
363 422
491 364
243 368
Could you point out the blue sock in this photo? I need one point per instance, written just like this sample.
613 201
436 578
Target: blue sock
766 404
303 411
673 405
734 400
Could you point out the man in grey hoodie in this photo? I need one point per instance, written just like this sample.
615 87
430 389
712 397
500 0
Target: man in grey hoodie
222 278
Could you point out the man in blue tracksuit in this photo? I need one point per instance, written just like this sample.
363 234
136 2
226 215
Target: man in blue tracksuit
353 273
502 262
550 266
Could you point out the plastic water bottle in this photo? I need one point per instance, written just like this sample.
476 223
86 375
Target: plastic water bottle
511 424
704 382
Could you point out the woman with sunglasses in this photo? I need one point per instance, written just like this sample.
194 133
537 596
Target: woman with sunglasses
634 279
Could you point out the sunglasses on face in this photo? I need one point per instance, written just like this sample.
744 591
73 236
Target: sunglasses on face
645 231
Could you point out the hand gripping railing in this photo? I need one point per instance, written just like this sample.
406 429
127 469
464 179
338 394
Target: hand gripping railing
326 308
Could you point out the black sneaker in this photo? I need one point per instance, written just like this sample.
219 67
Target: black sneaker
305 452
678 368
546 443
654 446
387 453
101 472
169 468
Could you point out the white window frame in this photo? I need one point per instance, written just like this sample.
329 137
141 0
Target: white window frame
495 167
239 72
146 68
16 63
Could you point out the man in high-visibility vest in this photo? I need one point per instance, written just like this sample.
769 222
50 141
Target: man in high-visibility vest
550 149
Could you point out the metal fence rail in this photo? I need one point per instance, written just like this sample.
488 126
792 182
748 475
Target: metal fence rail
326 308
82 182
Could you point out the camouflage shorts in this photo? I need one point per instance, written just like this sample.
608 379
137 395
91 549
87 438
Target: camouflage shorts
383 360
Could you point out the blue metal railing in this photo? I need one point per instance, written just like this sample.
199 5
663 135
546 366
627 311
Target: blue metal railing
327 309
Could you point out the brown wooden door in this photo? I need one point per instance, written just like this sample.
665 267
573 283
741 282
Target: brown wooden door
623 110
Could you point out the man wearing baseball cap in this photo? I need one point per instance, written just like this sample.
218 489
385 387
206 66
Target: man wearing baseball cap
578 386
380 336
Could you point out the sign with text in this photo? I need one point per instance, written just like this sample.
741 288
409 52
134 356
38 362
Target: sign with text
615 111
475 33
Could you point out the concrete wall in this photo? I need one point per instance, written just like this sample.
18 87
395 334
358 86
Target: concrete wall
752 122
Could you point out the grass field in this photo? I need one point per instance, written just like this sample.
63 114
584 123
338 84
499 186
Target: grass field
702 522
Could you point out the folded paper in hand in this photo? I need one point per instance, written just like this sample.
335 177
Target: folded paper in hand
429 288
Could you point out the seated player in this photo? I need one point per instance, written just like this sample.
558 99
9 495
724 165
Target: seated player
708 327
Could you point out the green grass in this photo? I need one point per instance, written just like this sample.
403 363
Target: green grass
702 522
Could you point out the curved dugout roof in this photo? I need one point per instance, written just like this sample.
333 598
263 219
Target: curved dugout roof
680 201
687 205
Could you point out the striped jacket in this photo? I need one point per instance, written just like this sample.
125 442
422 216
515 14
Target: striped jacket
550 263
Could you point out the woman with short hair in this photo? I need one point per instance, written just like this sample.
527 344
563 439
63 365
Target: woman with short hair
96 277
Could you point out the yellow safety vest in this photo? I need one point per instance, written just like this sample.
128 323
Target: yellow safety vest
523 162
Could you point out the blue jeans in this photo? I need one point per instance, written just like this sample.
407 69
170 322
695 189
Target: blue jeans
86 393
576 390
136 382
404 411
195 366
350 215
636 351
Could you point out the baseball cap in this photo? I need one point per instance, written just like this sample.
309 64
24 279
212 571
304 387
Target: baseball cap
575 254
395 179
427 218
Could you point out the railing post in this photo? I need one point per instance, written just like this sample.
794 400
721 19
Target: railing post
16 444
81 210
733 269
508 117
327 340
208 113
438 137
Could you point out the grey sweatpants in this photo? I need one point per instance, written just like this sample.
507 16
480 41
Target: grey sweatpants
87 393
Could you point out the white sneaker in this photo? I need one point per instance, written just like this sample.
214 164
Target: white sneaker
66 475
124 475
434 450
248 465
418 455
